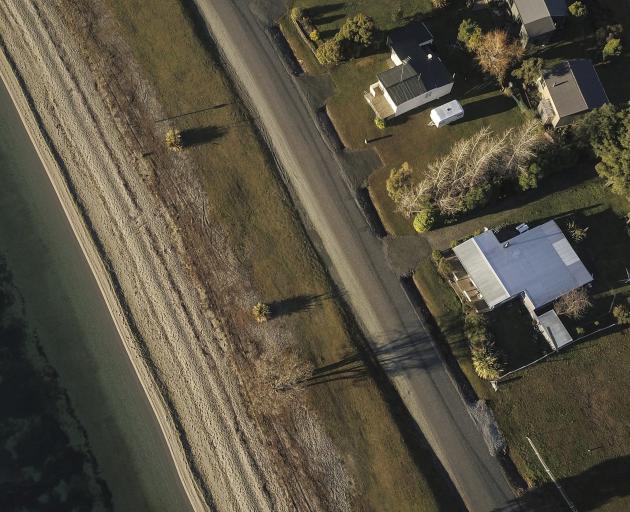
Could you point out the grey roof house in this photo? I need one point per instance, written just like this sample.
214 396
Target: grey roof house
539 18
417 75
538 265
569 89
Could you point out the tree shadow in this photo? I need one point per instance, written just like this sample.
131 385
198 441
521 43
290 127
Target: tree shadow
485 108
203 135
408 352
590 490
318 11
291 305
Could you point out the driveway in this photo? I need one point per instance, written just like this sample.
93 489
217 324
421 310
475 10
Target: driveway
354 255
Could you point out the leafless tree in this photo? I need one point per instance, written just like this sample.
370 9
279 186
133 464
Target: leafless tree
496 53
280 374
523 144
573 304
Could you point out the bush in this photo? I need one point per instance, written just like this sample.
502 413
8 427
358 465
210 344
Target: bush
573 304
528 178
436 257
613 48
440 4
173 140
359 30
578 233
604 34
297 14
580 331
424 220
621 314
469 33
314 35
329 52
399 180
578 9
379 122
261 312
529 71
486 362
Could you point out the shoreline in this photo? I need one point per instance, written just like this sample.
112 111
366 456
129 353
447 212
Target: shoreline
103 279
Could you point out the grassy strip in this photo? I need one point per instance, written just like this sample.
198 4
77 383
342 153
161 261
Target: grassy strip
252 206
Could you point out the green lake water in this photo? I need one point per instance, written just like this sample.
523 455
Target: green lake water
64 306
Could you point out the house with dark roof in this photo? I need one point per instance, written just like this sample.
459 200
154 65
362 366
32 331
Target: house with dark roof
537 266
417 75
539 18
569 89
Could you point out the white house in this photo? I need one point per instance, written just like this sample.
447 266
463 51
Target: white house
418 75
538 266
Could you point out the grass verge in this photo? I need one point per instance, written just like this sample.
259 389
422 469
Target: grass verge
252 206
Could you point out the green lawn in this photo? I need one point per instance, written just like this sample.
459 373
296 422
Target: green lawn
251 205
574 404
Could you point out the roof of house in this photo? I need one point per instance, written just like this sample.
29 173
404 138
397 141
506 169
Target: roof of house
421 70
539 262
554 328
574 87
537 15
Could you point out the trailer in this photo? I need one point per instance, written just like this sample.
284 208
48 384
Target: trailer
447 113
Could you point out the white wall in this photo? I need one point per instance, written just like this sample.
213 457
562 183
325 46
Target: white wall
395 58
420 100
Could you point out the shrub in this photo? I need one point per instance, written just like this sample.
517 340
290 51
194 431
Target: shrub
578 233
529 71
379 122
399 180
603 34
579 331
424 220
359 30
486 362
621 314
297 14
528 178
445 268
314 35
440 4
173 140
613 48
469 33
436 256
261 312
578 9
329 52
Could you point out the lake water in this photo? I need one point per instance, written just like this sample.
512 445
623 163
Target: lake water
63 303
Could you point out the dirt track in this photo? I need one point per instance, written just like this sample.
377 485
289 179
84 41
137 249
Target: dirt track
103 159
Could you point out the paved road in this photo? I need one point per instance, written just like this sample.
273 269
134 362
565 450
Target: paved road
356 256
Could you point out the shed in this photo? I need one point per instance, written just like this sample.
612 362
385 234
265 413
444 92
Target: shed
553 329
447 113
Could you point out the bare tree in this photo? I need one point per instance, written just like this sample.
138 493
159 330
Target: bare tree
523 144
280 375
469 165
496 53
573 304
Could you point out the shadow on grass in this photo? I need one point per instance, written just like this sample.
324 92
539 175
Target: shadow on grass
486 107
404 353
299 303
590 490
203 135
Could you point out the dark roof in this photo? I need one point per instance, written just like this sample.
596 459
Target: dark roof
421 70
537 15
575 87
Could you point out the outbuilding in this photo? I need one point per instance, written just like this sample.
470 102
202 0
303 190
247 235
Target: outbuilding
447 113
